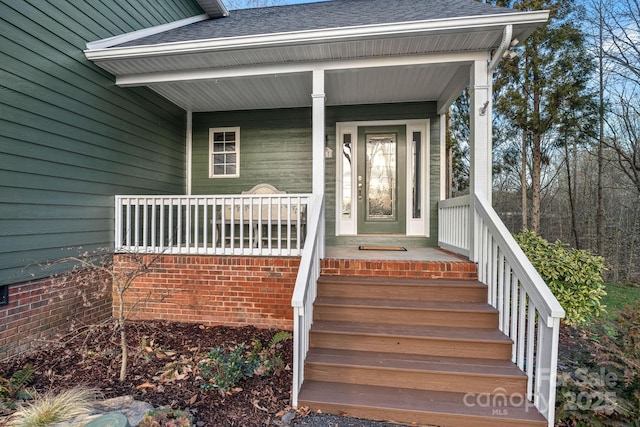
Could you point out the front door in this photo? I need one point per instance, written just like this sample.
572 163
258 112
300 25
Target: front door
381 180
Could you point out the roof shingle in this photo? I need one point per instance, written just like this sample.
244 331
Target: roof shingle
321 15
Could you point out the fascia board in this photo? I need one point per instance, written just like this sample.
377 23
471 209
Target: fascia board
318 36
135 35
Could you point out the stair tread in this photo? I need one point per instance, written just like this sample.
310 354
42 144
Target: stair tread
416 401
439 332
449 306
414 362
390 281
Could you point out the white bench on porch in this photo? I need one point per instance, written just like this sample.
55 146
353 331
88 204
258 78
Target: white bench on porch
267 218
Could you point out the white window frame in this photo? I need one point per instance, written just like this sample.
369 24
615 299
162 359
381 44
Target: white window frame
415 226
212 131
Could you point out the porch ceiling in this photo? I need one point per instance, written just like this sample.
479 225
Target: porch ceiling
342 87
412 61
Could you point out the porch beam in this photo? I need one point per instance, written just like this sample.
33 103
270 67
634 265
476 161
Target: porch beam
480 174
453 90
143 79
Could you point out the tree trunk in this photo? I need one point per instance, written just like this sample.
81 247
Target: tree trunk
572 208
449 159
600 190
523 180
123 333
125 353
535 183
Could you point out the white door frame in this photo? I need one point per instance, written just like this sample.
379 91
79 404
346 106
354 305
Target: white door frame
346 222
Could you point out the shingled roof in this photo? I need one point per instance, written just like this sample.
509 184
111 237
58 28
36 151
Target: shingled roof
318 16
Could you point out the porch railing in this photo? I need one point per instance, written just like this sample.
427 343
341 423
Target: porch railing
262 224
529 313
453 224
304 293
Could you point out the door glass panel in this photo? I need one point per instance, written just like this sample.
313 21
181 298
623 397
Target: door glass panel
347 156
381 177
416 176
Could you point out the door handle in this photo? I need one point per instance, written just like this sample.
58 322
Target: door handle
360 185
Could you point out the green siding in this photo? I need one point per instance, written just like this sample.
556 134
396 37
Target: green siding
69 138
275 148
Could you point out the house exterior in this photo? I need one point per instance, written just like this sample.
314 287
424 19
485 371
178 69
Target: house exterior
238 146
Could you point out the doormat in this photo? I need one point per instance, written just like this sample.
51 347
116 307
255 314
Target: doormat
382 248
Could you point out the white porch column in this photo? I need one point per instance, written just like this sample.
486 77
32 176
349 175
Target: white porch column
318 132
480 173
189 152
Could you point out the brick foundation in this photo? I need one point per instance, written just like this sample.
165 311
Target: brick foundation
464 270
41 309
212 290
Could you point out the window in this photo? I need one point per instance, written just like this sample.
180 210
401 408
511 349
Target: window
4 294
224 152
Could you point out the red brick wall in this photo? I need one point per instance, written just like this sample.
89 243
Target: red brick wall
41 309
213 290
417 269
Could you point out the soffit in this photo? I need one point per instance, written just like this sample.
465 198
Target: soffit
428 82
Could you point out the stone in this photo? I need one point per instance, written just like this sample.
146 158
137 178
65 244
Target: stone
111 419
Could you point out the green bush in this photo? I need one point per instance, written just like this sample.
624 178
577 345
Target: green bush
619 348
574 276
225 368
15 388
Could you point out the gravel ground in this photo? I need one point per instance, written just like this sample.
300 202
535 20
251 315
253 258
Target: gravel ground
328 420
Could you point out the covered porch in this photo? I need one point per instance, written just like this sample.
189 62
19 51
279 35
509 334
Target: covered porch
392 81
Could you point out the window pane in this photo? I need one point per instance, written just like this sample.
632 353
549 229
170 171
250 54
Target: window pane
416 154
380 181
224 146
347 156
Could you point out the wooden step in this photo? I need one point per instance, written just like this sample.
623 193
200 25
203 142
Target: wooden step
426 340
413 312
436 373
402 288
419 407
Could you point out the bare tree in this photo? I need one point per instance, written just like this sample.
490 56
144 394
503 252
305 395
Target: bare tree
621 26
91 267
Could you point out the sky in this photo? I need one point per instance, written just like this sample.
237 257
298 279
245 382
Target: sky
244 4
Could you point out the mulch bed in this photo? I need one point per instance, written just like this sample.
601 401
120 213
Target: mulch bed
91 358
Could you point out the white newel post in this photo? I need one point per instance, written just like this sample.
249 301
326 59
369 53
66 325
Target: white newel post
318 130
480 174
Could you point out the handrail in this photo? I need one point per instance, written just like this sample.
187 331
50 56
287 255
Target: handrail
529 313
305 291
230 224
515 256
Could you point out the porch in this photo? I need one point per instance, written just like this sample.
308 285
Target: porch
258 275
